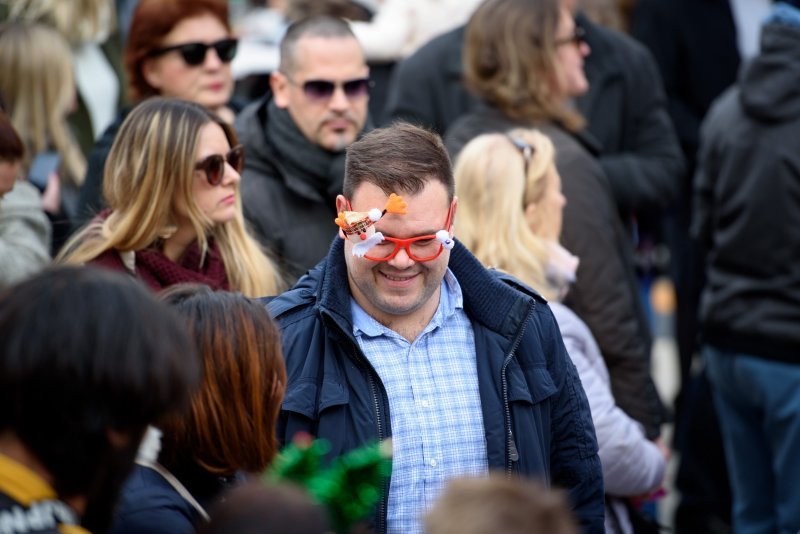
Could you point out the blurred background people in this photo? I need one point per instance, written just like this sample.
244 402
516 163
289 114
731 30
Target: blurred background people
230 428
24 228
525 59
746 223
89 26
295 137
177 49
493 172
38 86
87 360
499 504
172 182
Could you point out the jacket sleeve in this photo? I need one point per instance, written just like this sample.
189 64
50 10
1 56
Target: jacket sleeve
605 295
649 172
24 234
632 465
386 36
574 462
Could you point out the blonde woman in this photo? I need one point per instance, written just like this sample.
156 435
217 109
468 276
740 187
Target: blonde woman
510 217
39 91
172 185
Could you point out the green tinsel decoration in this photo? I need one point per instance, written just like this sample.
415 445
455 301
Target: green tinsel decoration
349 488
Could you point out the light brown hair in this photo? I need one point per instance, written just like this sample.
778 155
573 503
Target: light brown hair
510 60
498 504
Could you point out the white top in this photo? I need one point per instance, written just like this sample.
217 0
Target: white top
98 85
748 16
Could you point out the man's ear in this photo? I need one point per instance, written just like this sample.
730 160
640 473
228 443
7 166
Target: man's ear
279 84
453 209
341 204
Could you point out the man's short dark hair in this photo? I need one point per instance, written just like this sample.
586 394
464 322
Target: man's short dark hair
401 158
318 26
84 351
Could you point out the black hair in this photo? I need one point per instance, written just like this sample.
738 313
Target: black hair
83 352
316 26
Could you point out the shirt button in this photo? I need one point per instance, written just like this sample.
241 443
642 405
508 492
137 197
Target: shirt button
433 463
426 404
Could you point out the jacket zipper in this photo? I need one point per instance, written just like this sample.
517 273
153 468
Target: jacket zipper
512 454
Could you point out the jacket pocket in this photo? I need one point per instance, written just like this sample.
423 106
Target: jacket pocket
308 399
532 385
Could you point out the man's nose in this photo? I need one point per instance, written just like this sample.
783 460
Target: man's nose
339 100
401 260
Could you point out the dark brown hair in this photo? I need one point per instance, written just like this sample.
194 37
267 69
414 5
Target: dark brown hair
498 504
399 158
231 423
11 148
152 21
510 60
317 26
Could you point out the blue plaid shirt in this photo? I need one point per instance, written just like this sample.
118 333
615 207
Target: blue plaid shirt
436 417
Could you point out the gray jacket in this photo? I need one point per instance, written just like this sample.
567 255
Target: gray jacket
24 234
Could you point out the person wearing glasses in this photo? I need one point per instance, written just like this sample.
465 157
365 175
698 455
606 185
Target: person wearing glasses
532 84
177 49
416 341
522 239
295 138
172 185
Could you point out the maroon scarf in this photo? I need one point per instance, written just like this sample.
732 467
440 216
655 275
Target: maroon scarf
158 271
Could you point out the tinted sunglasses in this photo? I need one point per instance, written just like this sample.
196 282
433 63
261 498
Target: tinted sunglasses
214 165
195 53
577 38
320 90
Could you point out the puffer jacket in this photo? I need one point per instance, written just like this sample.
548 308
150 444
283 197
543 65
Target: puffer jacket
536 416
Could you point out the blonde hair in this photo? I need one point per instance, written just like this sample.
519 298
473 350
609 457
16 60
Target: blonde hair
510 60
38 85
78 21
493 193
150 166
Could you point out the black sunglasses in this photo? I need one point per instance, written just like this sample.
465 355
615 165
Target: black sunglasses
214 165
320 90
577 38
526 150
195 53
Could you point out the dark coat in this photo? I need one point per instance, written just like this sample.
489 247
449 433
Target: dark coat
606 294
285 212
747 205
535 413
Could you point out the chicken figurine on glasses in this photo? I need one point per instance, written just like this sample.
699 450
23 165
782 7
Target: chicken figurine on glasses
359 226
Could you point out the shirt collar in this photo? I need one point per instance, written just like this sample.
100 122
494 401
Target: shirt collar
450 299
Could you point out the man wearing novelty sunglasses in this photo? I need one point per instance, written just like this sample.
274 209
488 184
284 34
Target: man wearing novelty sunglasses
401 333
295 139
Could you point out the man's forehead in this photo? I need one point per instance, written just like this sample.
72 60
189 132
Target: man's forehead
432 198
315 52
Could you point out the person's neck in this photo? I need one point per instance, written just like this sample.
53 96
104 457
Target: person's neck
409 325
176 244
12 447
225 113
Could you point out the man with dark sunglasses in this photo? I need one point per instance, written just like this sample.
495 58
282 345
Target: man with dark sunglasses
414 340
295 139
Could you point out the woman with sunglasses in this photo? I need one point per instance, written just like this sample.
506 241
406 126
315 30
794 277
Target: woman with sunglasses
524 58
522 238
178 49
172 185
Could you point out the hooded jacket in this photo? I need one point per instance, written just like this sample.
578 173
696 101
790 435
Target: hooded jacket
747 205
536 416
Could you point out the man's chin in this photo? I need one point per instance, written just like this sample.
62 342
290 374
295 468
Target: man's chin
338 140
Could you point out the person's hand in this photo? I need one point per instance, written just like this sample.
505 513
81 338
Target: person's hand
663 448
51 196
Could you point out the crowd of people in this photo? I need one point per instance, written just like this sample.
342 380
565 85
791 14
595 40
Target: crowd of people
432 228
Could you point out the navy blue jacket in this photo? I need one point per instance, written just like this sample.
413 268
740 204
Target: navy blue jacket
536 416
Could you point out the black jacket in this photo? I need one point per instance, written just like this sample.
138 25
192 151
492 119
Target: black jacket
285 212
747 205
606 294
535 413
